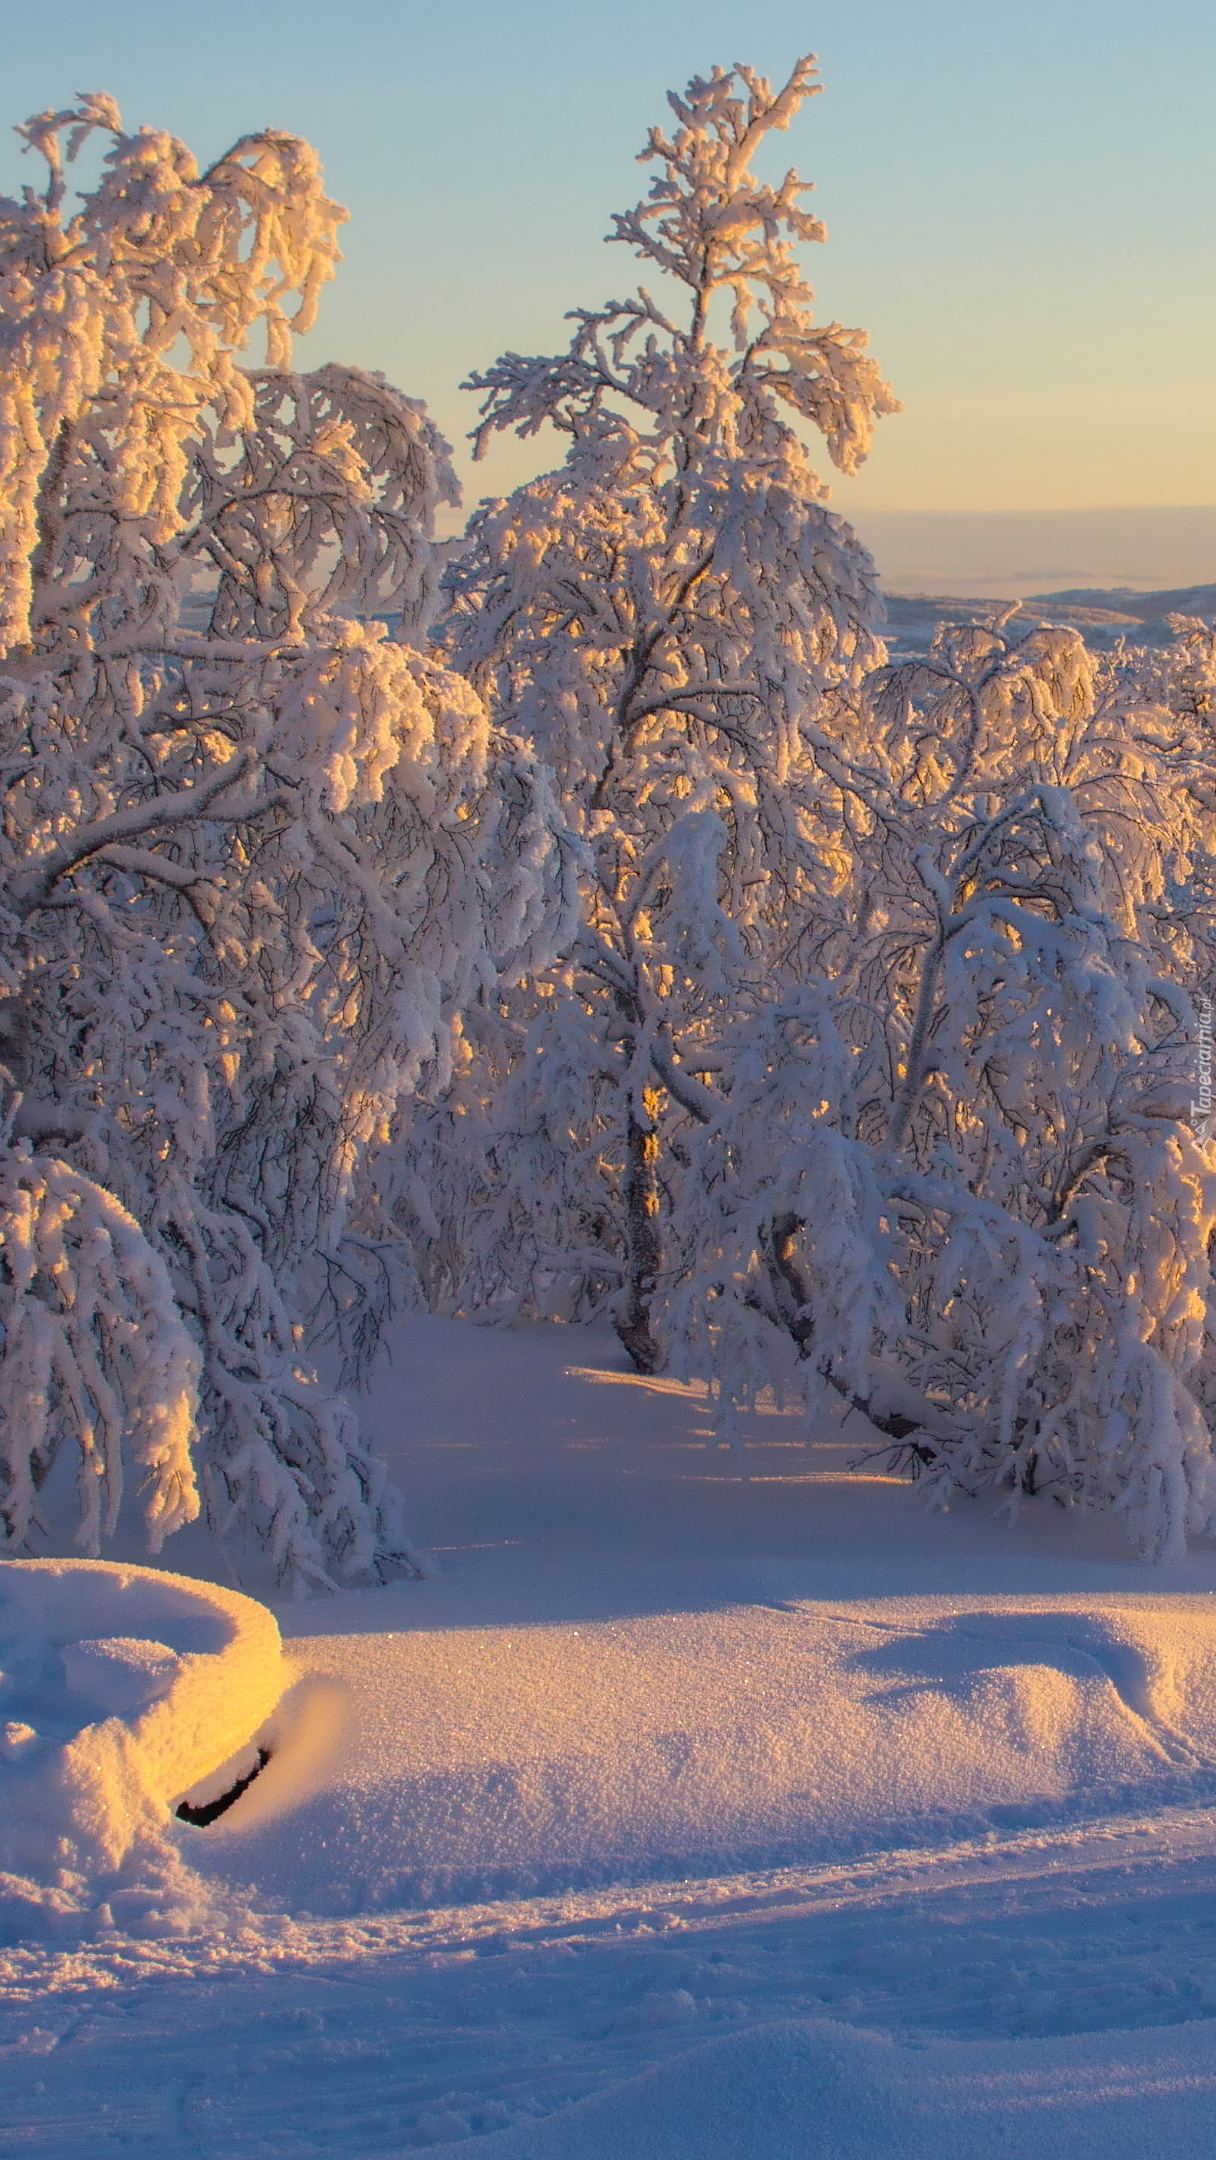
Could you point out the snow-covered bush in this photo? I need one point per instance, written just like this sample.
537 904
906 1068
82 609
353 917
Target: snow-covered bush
124 1689
659 618
258 849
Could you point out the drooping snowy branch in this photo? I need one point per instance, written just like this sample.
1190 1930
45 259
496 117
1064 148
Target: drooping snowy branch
121 324
93 1355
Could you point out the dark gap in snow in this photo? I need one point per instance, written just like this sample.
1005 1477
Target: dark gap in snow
209 1811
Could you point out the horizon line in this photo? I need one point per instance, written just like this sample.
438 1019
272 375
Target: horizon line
1069 510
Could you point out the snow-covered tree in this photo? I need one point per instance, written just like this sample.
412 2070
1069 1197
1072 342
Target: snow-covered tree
879 1030
257 851
660 619
943 1138
956 1163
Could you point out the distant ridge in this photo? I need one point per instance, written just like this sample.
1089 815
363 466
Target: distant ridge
1142 606
1029 553
1102 615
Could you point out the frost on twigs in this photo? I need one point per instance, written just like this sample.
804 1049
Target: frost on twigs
711 225
259 849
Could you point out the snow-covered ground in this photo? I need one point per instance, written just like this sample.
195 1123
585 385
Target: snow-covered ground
700 1804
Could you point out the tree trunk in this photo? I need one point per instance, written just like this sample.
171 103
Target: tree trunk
643 1244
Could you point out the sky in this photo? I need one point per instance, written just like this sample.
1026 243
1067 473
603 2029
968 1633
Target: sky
1019 200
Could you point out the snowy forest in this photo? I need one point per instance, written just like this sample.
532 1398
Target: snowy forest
590 916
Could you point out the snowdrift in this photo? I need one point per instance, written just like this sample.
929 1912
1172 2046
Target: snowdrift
120 1689
818 2091
486 1762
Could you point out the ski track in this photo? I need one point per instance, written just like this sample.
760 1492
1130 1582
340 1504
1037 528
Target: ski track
410 2030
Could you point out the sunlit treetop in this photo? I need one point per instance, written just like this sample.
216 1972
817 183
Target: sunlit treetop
710 223
120 321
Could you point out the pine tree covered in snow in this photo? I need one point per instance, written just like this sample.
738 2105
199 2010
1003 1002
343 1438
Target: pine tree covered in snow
659 618
256 854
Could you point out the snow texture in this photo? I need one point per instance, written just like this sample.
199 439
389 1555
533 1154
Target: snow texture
797 2091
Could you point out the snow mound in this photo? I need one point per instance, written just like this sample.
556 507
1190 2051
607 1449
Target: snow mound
488 1762
819 2091
121 1688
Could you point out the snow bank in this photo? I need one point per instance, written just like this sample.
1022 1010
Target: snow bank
483 1762
120 1689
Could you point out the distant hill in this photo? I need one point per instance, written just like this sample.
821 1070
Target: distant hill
1143 606
1033 552
1103 616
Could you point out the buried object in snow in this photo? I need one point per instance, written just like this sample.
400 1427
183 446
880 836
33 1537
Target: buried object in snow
121 1689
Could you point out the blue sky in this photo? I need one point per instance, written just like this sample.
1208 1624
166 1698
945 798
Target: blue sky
1019 199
